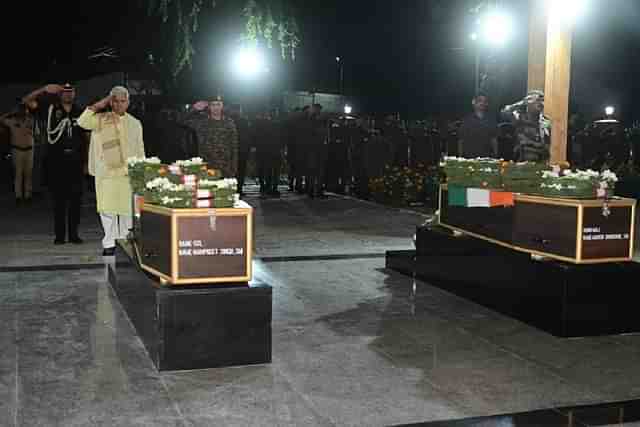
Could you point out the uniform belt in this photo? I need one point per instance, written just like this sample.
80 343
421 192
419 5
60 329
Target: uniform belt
15 147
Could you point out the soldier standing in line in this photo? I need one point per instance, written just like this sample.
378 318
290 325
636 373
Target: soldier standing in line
217 135
298 145
68 143
244 143
289 136
337 151
359 147
316 153
20 124
268 153
394 134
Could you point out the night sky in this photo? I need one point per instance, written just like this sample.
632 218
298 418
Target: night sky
410 56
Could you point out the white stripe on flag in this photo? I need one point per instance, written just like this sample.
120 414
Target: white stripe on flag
478 198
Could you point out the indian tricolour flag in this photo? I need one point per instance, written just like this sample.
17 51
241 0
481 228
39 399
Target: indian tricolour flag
478 197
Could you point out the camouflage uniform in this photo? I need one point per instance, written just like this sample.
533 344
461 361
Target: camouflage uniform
217 141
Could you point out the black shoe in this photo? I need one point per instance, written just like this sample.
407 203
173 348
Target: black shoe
59 242
76 240
19 202
109 251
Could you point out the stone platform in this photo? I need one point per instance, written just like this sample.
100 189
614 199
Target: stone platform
194 327
563 299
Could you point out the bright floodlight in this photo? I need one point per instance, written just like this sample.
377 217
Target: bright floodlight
249 62
568 10
497 28
348 109
474 36
609 110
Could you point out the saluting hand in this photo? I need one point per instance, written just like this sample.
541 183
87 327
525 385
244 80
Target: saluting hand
53 89
102 104
201 105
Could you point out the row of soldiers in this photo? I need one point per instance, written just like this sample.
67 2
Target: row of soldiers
317 151
328 152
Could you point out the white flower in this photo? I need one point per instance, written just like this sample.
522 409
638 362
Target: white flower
166 200
557 186
581 175
195 161
133 161
550 174
609 176
163 184
226 183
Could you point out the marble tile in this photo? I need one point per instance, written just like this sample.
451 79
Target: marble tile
8 363
503 385
96 399
67 346
357 386
612 373
250 396
550 351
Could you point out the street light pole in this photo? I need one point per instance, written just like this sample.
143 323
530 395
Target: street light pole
341 73
477 74
341 79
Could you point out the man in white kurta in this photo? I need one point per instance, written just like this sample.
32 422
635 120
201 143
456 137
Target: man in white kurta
115 137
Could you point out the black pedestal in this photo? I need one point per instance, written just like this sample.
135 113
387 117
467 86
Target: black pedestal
563 299
194 327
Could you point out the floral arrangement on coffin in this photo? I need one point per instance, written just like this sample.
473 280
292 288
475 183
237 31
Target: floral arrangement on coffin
221 191
523 177
401 185
584 184
136 171
161 191
481 172
209 174
193 166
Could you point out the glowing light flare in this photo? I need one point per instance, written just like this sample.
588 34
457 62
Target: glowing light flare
497 28
348 109
567 10
249 62
610 110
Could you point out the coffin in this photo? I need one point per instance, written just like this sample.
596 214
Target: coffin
575 231
196 246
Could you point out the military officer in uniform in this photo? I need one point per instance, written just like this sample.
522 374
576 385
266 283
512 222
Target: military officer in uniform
20 124
67 144
217 135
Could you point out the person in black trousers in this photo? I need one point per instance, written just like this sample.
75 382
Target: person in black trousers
67 144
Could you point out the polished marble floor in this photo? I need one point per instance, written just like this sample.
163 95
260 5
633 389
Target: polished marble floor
353 344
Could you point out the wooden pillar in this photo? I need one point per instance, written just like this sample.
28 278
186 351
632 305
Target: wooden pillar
537 45
557 85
